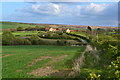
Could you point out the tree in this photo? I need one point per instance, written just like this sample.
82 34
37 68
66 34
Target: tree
89 28
90 32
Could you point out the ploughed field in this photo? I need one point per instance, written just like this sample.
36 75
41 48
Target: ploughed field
36 61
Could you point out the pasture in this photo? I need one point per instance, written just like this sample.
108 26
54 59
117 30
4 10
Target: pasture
38 60
10 25
23 34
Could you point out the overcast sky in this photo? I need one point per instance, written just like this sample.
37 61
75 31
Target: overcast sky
71 13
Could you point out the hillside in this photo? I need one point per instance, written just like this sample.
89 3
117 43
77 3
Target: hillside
33 51
11 25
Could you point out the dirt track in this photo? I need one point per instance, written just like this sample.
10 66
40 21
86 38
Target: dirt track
78 63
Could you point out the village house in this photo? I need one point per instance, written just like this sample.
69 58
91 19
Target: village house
67 30
52 29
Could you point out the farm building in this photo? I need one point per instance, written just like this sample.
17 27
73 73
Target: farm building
52 29
59 29
68 31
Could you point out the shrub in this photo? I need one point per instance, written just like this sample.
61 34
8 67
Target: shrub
13 30
59 32
7 38
61 42
35 40
55 36
28 35
21 41
17 35
64 36
20 28
37 28
89 28
30 29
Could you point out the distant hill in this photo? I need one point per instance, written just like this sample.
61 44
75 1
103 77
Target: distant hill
11 25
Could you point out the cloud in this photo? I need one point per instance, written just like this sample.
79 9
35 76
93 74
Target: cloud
68 13
50 8
96 8
93 9
47 9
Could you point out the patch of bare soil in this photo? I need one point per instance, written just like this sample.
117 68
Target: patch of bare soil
56 59
34 62
6 55
61 73
43 71
39 59
48 70
18 70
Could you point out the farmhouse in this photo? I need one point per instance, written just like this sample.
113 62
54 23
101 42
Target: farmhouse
66 30
52 29
59 29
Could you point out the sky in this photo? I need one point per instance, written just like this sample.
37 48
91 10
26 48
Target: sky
70 13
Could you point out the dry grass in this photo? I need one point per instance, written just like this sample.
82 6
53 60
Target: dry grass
38 59
6 55
79 62
48 69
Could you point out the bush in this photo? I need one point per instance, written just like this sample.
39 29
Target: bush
21 41
55 36
47 42
61 42
7 38
59 32
28 35
13 30
35 40
17 35
77 39
30 29
64 36
20 28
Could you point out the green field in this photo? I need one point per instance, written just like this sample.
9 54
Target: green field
10 25
90 54
23 34
20 61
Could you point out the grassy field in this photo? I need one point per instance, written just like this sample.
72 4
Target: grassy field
9 25
81 34
23 34
26 61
